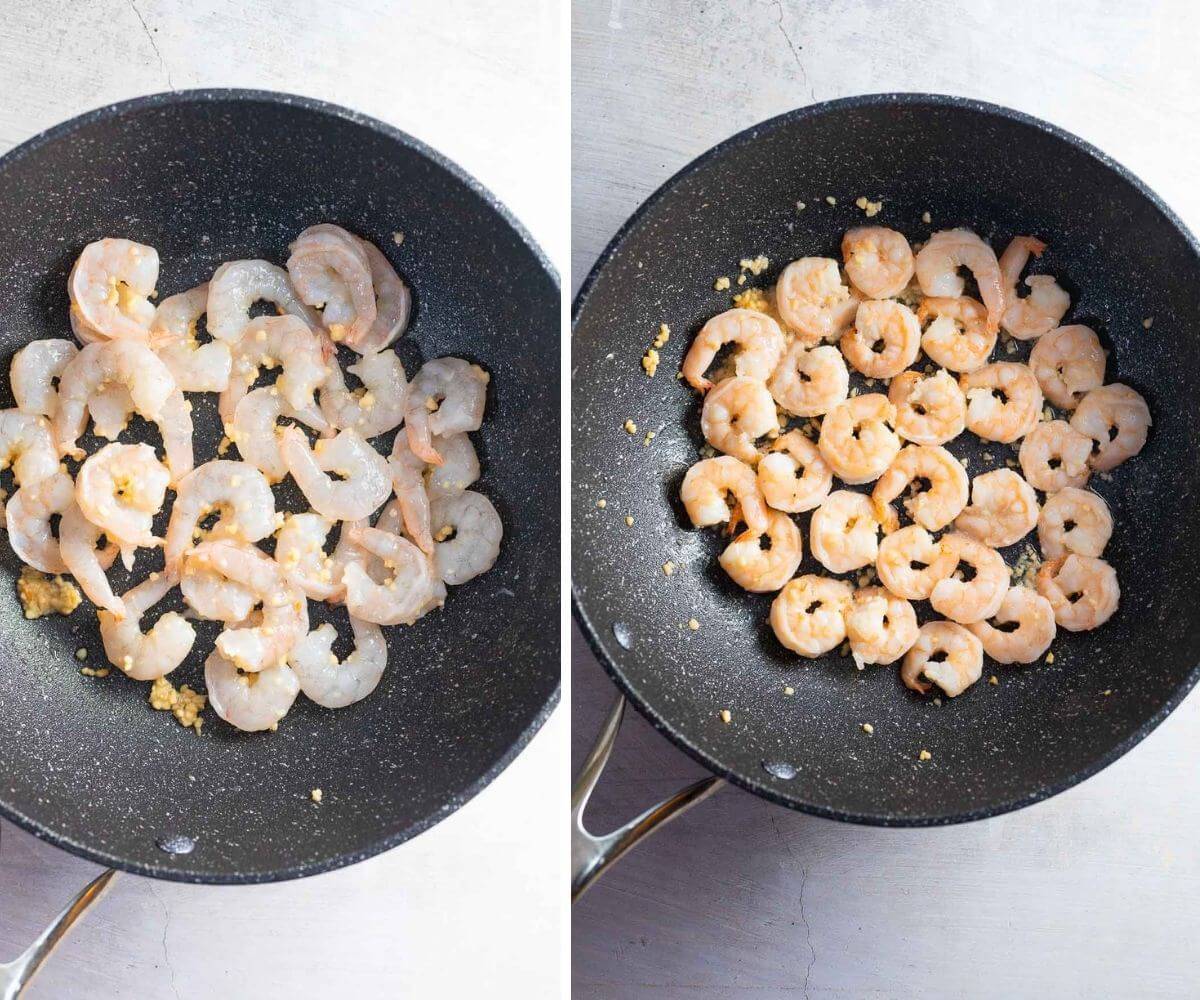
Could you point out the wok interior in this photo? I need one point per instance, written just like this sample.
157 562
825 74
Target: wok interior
1045 725
210 178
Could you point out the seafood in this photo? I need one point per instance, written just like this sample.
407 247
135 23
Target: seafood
1040 311
1083 591
1068 363
238 284
393 303
945 654
881 627
110 288
807 615
810 381
332 683
27 517
857 440
466 532
1054 456
793 476
966 601
447 396
911 563
758 569
1035 629
1003 510
813 300
933 508
737 412
283 342
879 261
35 371
249 701
236 489
212 595
27 447
376 408
256 429
930 409
78 544
330 270
411 588
196 367
885 339
146 656
1117 420
706 489
1074 520
365 481
1004 401
938 262
844 532
120 489
300 550
957 335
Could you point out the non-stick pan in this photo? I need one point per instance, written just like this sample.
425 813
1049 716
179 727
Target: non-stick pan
210 176
1124 257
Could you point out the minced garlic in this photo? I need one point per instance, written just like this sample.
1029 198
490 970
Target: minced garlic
46 595
183 703
721 284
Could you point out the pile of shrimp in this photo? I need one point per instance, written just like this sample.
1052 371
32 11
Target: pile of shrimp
778 406
136 357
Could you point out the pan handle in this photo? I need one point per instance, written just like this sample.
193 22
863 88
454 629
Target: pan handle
591 855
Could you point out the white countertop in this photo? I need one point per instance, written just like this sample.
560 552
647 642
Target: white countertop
472 907
1094 893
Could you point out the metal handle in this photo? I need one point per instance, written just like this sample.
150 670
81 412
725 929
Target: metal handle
592 855
15 975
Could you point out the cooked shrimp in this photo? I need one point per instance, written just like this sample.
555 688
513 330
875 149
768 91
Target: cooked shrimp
857 439
1054 456
972 600
957 337
1074 520
1004 401
26 446
212 595
885 339
807 615
376 408
249 701
1117 419
762 570
237 285
1035 629
1040 311
1068 362
392 303
237 490
283 342
120 489
911 563
85 560
256 428
793 476
844 532
813 300
300 550
879 261
937 267
467 532
35 371
197 367
330 270
706 489
1083 591
365 483
880 626
932 508
810 381
411 589
757 338
28 515
930 409
332 683
146 656
1004 509
736 413
110 288
946 654
447 396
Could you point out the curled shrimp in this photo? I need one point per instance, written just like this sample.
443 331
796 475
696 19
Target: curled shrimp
967 601
378 406
112 406
706 489
857 439
911 563
810 381
881 627
466 531
110 288
933 508
27 447
930 409
35 372
813 300
237 490
393 303
945 654
758 340
300 550
255 430
150 655
120 489
793 476
213 596
1040 311
938 262
415 481
1004 401
283 342
1068 363
1074 520
957 335
27 517
885 339
1054 456
447 396
879 261
78 544
238 284
844 532
251 702
197 367
411 588
330 270
807 616
1035 629
366 479
760 570
736 413
1083 591
1003 510
1117 420
332 683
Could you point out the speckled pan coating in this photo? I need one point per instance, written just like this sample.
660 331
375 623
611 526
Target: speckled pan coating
1123 256
207 177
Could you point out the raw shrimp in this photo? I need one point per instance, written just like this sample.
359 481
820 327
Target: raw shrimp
415 481
249 701
972 600
762 570
1083 591
1054 456
793 476
946 654
957 337
146 656
807 615
1068 362
857 439
447 396
1117 419
933 508
879 261
35 371
885 339
119 489
197 367
256 428
1039 312
844 532
1004 401
813 300
1035 629
213 596
300 550
110 288
28 515
330 270
283 342
736 413
930 409
237 285
237 489
78 545
880 626
459 468
27 446
707 486
110 409
411 589
334 684
810 381
392 303
937 267
466 532
365 482
376 408
911 563
759 346
1004 509
1074 520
